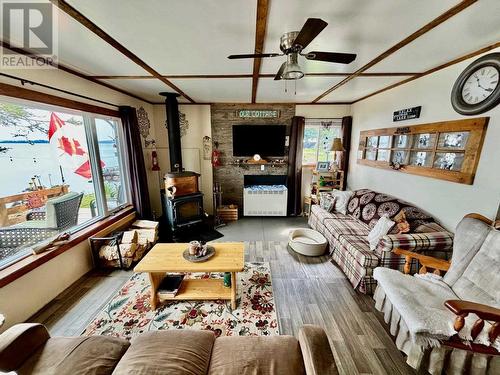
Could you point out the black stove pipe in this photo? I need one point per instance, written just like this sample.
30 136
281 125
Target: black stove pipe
174 130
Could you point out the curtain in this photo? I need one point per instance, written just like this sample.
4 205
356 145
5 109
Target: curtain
295 166
345 132
138 178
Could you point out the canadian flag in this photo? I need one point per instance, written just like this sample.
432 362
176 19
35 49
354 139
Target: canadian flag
69 143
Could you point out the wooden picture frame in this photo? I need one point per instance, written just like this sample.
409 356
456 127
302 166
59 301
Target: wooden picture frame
447 150
323 166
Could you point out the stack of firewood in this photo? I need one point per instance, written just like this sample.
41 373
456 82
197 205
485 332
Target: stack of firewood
135 241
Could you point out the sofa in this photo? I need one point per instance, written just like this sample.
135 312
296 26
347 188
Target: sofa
448 324
28 349
348 243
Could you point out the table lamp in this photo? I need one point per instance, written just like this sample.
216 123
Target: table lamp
336 147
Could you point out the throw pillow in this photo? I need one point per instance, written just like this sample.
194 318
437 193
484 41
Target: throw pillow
342 199
402 224
327 202
383 226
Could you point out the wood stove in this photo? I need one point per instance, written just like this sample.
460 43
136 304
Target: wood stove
182 202
182 211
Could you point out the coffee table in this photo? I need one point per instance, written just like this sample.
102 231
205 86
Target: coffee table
167 257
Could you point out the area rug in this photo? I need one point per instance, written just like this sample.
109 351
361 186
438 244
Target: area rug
128 314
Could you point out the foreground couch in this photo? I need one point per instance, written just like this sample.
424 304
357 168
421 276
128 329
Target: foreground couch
28 349
347 236
451 324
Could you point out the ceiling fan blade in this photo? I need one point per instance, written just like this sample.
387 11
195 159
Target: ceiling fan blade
277 77
310 30
253 55
335 57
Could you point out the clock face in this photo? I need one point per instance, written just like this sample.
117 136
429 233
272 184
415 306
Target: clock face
480 85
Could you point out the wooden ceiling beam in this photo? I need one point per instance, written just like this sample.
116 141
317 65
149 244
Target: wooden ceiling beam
433 70
262 75
75 14
424 29
67 69
260 36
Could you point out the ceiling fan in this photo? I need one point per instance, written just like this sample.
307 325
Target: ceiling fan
292 44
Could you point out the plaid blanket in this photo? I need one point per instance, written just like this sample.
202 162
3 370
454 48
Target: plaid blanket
349 247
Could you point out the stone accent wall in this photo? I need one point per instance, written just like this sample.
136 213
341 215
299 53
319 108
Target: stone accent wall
230 177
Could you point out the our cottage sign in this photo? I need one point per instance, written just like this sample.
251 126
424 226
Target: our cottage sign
258 113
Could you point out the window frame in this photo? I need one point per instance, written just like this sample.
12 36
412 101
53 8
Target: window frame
337 122
104 214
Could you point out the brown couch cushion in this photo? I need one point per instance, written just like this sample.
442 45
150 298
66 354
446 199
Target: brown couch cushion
172 352
19 342
96 355
256 355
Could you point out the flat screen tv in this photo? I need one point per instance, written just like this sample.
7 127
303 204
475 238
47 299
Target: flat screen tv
265 140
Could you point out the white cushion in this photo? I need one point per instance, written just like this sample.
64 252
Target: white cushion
383 226
342 199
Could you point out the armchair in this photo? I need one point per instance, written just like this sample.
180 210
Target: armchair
450 323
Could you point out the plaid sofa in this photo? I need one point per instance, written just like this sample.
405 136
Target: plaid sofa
349 247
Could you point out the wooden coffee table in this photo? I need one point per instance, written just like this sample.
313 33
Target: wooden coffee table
167 257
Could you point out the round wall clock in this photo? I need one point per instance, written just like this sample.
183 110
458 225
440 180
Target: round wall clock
477 89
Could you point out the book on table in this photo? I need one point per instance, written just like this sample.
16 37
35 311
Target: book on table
170 285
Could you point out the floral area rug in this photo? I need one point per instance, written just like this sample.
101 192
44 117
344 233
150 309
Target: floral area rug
128 313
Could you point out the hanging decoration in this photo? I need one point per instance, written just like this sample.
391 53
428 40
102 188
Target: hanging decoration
145 127
327 142
143 121
183 124
207 147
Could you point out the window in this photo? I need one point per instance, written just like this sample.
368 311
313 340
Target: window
61 170
318 139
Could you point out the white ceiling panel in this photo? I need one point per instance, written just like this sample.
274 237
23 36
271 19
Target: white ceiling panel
87 53
145 88
211 90
360 86
366 28
307 89
179 37
473 28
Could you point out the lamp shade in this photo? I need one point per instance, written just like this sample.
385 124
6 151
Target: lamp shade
337 145
292 68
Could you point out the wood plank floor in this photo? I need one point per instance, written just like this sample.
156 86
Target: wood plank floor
306 290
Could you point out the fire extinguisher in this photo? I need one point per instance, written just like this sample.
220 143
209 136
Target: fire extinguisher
216 158
216 155
154 161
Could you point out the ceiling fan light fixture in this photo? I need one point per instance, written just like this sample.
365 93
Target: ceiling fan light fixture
292 69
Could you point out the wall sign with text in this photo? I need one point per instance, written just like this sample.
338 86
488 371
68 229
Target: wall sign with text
258 113
407 114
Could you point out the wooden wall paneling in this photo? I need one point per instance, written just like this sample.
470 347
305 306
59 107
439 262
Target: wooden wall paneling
472 152
424 29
